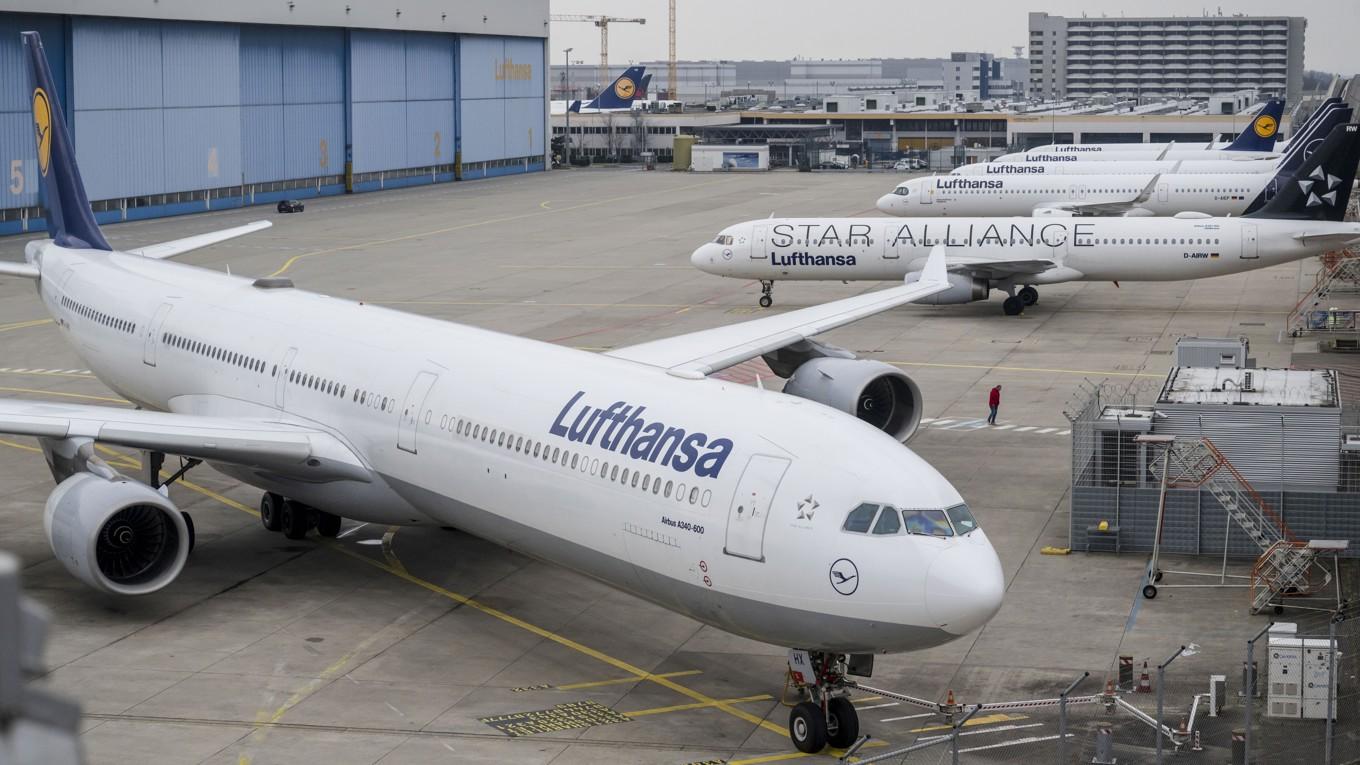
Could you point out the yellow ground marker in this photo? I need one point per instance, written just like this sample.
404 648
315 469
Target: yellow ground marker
620 681
24 324
697 705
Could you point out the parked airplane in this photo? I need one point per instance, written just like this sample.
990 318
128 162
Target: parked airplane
796 517
1115 194
1152 167
1013 254
1260 135
618 97
1256 140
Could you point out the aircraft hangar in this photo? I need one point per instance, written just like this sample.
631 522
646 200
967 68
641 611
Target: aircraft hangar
178 109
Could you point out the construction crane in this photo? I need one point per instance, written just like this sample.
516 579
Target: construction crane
672 84
603 23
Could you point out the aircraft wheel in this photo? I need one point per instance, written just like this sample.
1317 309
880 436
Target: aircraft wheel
189 524
295 519
1029 295
327 524
807 728
1157 577
1013 306
842 722
271 507
1149 592
766 301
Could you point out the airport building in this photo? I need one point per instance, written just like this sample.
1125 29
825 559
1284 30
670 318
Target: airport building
1165 57
181 108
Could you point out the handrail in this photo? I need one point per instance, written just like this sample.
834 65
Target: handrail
1260 502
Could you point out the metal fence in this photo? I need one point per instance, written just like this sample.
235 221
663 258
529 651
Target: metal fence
1116 482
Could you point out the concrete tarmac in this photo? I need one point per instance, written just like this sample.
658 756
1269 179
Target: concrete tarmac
413 646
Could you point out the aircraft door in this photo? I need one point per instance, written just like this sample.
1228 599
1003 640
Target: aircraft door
759 241
1249 250
1163 191
153 334
751 507
927 195
281 379
411 411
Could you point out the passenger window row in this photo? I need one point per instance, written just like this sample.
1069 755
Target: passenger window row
216 353
555 455
317 383
371 399
113 322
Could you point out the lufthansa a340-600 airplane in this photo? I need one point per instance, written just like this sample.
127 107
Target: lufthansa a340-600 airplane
796 518
1114 194
1012 254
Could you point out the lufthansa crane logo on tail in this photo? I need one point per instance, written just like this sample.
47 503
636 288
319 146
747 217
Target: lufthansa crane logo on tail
844 576
1265 126
624 88
42 128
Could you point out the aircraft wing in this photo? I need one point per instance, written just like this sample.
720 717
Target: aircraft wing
1110 207
294 451
998 269
701 353
181 246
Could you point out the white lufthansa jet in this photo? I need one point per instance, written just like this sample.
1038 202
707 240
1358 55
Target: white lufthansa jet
796 517
1304 218
1114 194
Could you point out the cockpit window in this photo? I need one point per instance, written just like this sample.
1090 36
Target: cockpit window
889 522
901 191
723 239
962 518
931 522
861 518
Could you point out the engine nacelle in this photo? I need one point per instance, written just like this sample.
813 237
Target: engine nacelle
881 395
116 535
962 289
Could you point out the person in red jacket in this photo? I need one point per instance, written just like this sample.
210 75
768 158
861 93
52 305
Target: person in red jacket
993 402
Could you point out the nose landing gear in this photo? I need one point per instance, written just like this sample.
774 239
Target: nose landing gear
825 716
766 287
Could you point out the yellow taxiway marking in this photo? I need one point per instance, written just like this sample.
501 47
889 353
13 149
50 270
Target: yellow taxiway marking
556 267
287 264
782 756
24 447
1042 370
64 394
533 303
46 373
621 681
24 324
566 642
698 705
984 720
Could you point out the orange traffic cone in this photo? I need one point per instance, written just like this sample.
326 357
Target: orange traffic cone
1109 687
949 699
1144 681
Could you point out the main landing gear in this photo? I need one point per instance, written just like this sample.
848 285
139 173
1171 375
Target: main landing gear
1017 302
825 716
766 287
295 519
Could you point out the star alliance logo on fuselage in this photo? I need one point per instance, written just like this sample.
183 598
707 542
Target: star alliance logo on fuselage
807 507
621 428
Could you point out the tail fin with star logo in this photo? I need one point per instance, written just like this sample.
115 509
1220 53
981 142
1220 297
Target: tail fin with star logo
1321 187
70 221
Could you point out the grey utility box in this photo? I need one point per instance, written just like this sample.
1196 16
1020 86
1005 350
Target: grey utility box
1213 352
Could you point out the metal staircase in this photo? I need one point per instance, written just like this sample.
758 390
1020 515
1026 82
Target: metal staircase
1285 566
1340 272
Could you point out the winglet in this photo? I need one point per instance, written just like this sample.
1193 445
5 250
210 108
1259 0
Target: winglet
935 270
70 221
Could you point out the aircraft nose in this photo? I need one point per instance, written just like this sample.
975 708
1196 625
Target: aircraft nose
704 258
964 585
886 203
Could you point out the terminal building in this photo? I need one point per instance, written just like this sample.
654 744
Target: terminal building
182 108
1165 57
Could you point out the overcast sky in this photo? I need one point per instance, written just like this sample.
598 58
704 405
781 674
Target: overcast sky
781 29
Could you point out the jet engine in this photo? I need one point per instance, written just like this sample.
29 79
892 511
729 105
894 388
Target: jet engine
115 534
877 393
962 289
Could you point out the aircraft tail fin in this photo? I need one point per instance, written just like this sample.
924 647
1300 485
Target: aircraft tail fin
1321 187
643 86
1260 134
621 92
70 221
1302 145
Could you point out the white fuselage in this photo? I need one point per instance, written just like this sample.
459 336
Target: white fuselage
482 431
953 196
1081 249
999 169
1172 154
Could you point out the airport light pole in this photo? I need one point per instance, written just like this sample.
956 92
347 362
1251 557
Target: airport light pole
1248 693
1185 650
566 142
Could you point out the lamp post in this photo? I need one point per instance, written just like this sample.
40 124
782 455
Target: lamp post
566 144
1185 650
1248 693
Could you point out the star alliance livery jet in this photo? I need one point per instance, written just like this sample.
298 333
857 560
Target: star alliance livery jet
796 518
1303 218
1114 194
